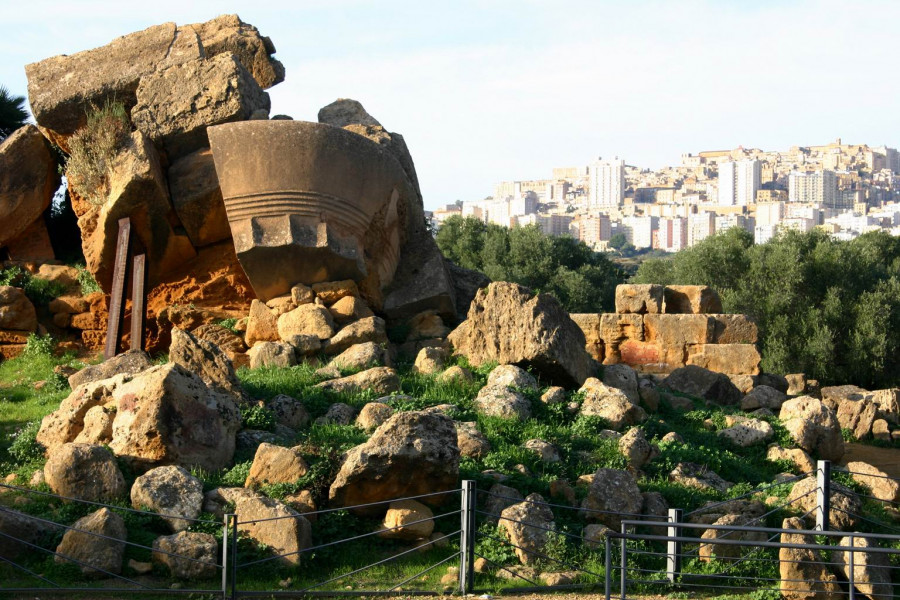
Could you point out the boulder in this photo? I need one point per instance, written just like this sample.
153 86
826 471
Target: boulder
734 329
272 354
594 535
796 384
84 472
361 356
197 199
527 525
870 571
170 491
305 345
289 411
857 416
167 415
745 432
330 292
472 443
227 33
881 431
508 324
512 376
19 530
804 574
554 395
501 401
701 383
427 325
349 309
456 374
834 395
372 415
691 299
262 324
97 426
228 341
763 396
430 361
888 404
698 476
96 556
206 360
813 427
28 180
16 310
845 505
649 394
337 414
610 403
371 329
274 464
407 520
272 523
546 451
412 453
639 299
67 423
635 447
306 319
726 552
624 378
879 483
801 459
380 380
188 555
612 495
498 499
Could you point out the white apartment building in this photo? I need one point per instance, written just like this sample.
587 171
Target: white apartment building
700 226
769 213
819 187
764 233
523 204
639 230
607 183
726 222
738 182
592 230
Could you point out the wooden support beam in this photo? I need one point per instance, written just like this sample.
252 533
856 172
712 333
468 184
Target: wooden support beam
117 296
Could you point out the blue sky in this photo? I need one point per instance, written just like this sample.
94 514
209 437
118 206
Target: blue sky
484 91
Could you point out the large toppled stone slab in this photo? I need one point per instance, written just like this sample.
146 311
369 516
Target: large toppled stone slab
28 179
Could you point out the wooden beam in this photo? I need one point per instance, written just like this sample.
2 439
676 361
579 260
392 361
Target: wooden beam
117 297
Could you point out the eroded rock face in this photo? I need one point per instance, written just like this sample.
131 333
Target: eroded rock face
187 554
412 453
28 179
274 464
612 491
871 571
274 524
845 505
813 426
16 310
610 403
510 325
527 525
206 360
197 199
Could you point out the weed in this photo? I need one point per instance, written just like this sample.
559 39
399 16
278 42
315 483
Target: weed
258 417
87 281
229 324
94 147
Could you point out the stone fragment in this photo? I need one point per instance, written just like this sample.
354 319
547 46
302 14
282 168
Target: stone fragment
763 396
372 415
430 361
701 383
306 319
381 380
302 294
273 524
745 432
870 572
28 180
412 453
16 310
527 525
96 556
888 404
370 329
331 292
857 416
349 309
97 429
456 374
305 345
672 438
546 451
691 299
726 358
594 535
274 464
472 443
879 483
801 459
407 520
67 423
197 199
624 378
187 555
729 552
610 403
206 360
361 356
228 342
289 411
613 495
881 431
84 472
698 476
845 505
804 575
635 448
499 498
512 376
639 299
834 395
509 325
813 426
272 354
501 401
170 491
554 395
69 305
796 384
262 324
427 325
337 414
227 33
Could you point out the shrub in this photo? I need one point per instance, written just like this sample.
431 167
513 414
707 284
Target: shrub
40 291
87 282
258 417
24 448
93 148
38 345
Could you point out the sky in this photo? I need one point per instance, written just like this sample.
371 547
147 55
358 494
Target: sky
503 90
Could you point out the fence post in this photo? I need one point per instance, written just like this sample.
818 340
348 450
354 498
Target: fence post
607 584
823 494
623 576
852 582
234 564
673 546
225 555
467 537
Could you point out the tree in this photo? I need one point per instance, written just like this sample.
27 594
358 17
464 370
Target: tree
617 241
12 112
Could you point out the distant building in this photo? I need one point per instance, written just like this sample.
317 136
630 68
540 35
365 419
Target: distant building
819 187
592 230
700 226
738 182
639 230
607 183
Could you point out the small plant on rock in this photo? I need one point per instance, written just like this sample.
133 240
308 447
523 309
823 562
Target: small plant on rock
93 148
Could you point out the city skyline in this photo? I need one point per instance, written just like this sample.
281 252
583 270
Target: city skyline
488 92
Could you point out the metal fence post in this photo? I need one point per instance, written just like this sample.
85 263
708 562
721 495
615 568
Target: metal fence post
623 576
467 537
234 564
673 546
823 494
852 582
607 584
225 554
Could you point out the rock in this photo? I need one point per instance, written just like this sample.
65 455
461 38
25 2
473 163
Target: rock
227 33
187 554
228 342
337 414
330 292
804 575
69 305
141 568
612 496
67 423
197 199
272 354
501 401
28 180
594 535
167 415
697 476
472 443
655 510
371 329
381 380
888 404
833 396
857 416
701 383
639 299
691 299
672 437
813 427
678 402
796 384
554 395
84 472
649 395
527 526
430 361
801 459
729 552
170 491
302 294
176 104
306 319
635 447
559 579
407 520
412 453
427 325
262 324
744 383
610 403
466 284
499 498
289 411
879 483
303 503
345 112
274 464
16 310
19 530
206 360
349 309
763 396
97 426
624 378
745 432
361 356
508 324
881 431
456 374
511 376
305 345
546 451
98 556
845 505
274 524
372 415
871 571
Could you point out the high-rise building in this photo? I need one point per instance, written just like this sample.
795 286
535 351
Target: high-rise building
701 226
738 182
819 187
607 183
592 230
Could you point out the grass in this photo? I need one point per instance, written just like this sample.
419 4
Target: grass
94 147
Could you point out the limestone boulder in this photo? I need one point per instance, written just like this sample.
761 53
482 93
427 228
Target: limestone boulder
472 442
407 520
845 505
274 524
337 414
745 431
763 396
888 404
305 345
879 483
698 476
702 383
869 571
275 464
228 34
639 299
67 423
373 414
544 450
857 416
187 555
208 361
430 361
527 525
97 426
272 354
84 472
289 411
504 402
361 356
833 396
28 180
412 453
804 575
691 299
96 556
427 325
624 378
508 324
554 395
331 292
498 499
197 199
228 341
16 310
167 415
306 319
813 427
610 403
19 530
734 329
635 447
381 380
171 491
512 376
262 324
371 329
456 374
612 495
594 535
349 309
801 459
725 552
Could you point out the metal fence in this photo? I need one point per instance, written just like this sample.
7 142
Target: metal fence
640 554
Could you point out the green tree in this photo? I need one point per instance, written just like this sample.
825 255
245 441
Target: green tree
12 112
618 241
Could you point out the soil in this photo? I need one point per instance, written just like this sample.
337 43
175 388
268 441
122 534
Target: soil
885 459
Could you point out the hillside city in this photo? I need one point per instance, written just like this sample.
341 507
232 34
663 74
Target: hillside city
844 189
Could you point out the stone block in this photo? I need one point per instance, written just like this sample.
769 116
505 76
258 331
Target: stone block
691 299
678 330
738 359
197 198
589 323
28 179
734 329
639 299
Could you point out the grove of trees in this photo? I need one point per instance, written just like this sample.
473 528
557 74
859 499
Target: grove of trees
582 280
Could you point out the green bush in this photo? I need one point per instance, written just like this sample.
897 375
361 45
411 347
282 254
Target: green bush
258 417
38 345
40 291
24 448
93 148
87 282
